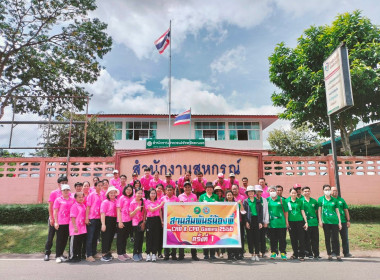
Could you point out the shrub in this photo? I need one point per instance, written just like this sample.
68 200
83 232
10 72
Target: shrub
364 213
23 214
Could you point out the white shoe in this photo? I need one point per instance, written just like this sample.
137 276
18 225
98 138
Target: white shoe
253 258
154 258
58 260
257 258
148 258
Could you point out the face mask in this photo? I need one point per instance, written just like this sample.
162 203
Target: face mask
327 193
273 194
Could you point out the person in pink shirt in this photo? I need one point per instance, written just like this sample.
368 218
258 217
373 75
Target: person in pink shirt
160 195
134 178
94 180
108 216
160 191
199 184
153 225
86 190
182 180
168 180
61 208
239 199
138 215
243 188
145 180
124 222
78 187
155 181
93 223
221 182
187 196
123 183
264 186
169 197
232 180
116 181
53 196
105 186
77 227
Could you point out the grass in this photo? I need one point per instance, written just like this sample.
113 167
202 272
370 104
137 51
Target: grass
27 239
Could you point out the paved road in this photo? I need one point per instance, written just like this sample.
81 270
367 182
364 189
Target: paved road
32 268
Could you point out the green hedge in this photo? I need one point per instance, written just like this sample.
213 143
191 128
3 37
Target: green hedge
37 213
23 214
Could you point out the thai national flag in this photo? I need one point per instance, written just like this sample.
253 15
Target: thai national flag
162 42
183 118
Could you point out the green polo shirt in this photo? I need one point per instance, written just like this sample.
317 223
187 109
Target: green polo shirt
329 215
205 198
295 208
276 213
252 206
341 206
311 208
220 199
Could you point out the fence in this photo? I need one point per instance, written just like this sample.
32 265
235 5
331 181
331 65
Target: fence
30 180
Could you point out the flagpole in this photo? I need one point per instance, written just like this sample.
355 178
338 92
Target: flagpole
190 128
170 78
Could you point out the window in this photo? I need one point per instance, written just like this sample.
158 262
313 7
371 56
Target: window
118 129
210 131
140 130
244 131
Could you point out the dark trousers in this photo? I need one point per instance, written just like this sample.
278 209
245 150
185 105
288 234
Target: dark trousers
263 241
297 238
161 239
170 252
253 236
242 237
122 236
332 239
108 235
182 252
152 234
233 252
61 240
76 245
312 241
277 237
93 232
209 252
49 240
344 236
139 238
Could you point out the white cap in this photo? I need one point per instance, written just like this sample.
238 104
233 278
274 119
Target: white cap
220 175
258 188
115 171
112 188
65 187
250 188
232 174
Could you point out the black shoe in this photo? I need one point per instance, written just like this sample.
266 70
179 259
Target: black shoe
230 258
213 257
239 257
206 257
195 258
311 256
160 256
348 255
339 259
166 258
46 258
180 258
317 258
174 258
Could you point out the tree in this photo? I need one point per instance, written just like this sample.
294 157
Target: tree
99 138
48 48
7 154
294 142
298 73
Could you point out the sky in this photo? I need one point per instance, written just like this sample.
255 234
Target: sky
220 52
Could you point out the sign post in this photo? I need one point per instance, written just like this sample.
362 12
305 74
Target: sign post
336 70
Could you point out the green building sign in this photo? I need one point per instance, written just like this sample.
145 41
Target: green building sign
164 143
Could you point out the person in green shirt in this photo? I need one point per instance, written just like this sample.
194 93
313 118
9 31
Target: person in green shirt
297 225
219 192
345 219
329 220
209 196
312 234
278 223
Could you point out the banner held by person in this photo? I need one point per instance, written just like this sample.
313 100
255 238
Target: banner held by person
201 225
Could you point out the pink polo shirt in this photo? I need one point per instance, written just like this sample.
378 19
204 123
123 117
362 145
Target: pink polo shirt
123 203
54 195
265 192
103 195
239 197
138 217
63 206
94 201
199 186
152 204
159 197
181 181
115 182
78 211
236 182
164 183
184 198
153 183
108 207
165 198
225 185
242 191
145 182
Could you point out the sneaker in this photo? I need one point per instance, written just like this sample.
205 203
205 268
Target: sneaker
257 258
283 257
64 259
253 258
213 257
194 258
148 258
273 256
105 259
126 257
206 257
136 258
311 256
339 258
58 260
90 259
348 255
121 258
154 258
317 258
140 257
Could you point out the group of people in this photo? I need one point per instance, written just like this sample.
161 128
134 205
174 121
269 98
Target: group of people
127 210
